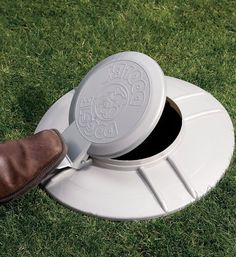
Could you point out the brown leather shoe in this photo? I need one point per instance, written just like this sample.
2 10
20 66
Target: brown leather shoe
24 163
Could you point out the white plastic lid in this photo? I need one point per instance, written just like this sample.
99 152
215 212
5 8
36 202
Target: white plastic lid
116 106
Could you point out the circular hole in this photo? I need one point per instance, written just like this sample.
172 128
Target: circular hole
164 134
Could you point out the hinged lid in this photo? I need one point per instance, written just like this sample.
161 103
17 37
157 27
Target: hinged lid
115 107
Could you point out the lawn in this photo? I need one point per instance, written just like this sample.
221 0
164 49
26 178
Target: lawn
46 47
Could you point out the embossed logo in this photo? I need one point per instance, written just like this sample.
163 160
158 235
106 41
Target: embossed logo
109 105
133 76
126 87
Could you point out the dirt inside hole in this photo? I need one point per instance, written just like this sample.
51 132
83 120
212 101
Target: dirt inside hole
164 134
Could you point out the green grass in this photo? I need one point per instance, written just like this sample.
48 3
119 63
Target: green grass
46 47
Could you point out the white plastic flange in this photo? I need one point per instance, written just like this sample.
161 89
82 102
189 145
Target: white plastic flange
160 184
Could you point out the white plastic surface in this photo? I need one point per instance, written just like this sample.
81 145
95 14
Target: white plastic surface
158 185
116 106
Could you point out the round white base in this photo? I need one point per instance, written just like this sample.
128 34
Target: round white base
157 185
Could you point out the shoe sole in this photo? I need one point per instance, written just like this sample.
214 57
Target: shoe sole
46 171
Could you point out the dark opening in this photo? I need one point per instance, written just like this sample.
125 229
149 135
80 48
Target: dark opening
164 134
